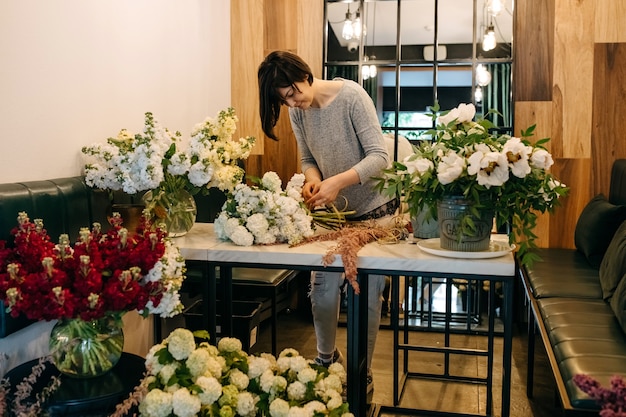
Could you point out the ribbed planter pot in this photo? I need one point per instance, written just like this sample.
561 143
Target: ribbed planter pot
450 212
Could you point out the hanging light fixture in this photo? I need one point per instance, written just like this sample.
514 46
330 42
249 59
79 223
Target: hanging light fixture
357 26
373 70
368 70
483 76
494 7
478 94
353 28
489 39
348 29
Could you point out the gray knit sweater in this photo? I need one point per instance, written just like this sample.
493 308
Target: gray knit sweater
345 134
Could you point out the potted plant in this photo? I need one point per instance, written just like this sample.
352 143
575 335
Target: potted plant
491 172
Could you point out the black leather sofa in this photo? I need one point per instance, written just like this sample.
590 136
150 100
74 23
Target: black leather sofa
577 299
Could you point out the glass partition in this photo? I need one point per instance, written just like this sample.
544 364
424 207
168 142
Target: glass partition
409 54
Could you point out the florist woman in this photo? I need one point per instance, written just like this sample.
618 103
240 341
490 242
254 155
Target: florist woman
342 147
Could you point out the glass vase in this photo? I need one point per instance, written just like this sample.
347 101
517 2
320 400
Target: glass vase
86 349
176 209
130 214
450 213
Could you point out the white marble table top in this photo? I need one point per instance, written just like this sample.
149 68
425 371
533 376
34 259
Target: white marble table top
201 243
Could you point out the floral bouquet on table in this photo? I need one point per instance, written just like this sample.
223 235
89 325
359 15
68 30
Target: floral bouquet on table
157 161
97 280
186 379
265 214
495 172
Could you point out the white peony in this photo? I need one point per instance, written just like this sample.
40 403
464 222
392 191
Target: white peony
450 168
491 168
461 114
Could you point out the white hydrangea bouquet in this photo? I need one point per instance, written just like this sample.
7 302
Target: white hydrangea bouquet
186 379
265 213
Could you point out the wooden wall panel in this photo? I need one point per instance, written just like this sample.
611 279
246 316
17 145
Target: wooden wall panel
246 53
311 34
293 25
534 33
610 17
281 25
573 73
537 113
575 173
609 108
587 101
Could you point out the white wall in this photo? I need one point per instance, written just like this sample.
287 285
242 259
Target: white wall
74 72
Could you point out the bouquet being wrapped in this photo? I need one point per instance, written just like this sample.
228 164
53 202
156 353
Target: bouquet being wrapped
266 213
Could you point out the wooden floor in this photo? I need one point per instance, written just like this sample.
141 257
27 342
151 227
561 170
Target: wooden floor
296 331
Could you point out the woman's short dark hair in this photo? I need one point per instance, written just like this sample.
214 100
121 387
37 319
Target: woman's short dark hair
279 69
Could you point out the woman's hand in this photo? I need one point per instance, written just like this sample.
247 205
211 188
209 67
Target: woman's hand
323 193
309 188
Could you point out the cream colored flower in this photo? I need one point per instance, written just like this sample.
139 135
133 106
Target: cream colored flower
181 343
229 344
185 404
279 408
296 391
156 404
491 168
450 168
463 113
541 159
211 389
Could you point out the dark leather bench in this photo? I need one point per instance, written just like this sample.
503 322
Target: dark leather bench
571 308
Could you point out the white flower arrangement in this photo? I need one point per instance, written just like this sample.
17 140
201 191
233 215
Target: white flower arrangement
496 172
186 379
155 159
130 162
212 155
265 214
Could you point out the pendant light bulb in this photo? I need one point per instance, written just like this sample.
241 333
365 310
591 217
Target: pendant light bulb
357 26
489 40
478 94
483 76
495 7
348 30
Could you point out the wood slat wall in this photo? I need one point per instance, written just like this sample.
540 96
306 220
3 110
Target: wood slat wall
257 28
570 78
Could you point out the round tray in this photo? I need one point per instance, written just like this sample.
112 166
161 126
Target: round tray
496 249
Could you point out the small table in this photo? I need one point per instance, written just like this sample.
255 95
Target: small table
83 397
